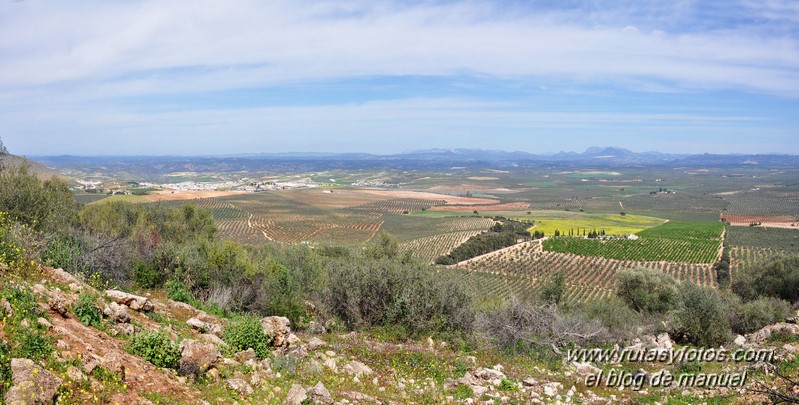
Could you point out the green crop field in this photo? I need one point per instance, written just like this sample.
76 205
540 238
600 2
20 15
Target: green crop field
612 224
689 242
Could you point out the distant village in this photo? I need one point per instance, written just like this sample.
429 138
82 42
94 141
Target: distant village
246 185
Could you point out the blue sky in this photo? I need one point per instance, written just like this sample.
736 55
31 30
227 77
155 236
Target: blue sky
207 77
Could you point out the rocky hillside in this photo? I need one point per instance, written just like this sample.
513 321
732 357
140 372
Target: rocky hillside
89 345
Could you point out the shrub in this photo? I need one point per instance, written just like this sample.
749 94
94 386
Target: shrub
526 327
647 290
553 288
246 332
702 316
86 311
147 276
43 205
621 320
156 347
363 293
177 291
778 278
753 315
69 252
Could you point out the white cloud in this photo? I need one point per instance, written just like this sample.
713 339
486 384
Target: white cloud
108 49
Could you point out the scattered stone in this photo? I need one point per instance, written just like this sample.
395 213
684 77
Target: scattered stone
123 329
62 345
358 369
44 323
75 374
213 339
330 363
134 302
196 357
279 328
317 328
60 307
739 340
764 334
318 394
213 374
240 386
489 374
75 287
530 382
245 355
585 368
664 341
31 384
7 308
296 395
204 326
316 343
116 313
63 277
293 341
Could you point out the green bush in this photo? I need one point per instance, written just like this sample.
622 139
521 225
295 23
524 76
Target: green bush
646 290
177 291
147 276
43 205
702 316
156 347
621 320
753 315
69 252
778 278
246 332
553 288
364 293
86 311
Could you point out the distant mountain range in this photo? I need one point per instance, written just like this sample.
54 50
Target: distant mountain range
434 159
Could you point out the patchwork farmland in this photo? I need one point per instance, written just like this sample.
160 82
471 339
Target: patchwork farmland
676 232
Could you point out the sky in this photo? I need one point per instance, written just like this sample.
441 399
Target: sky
175 77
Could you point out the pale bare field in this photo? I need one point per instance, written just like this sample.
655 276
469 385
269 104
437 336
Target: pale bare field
450 199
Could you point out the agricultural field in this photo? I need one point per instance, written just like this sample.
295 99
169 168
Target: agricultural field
431 213
689 242
526 265
752 246
613 224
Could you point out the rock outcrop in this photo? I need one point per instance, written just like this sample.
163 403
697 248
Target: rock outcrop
197 357
134 302
31 384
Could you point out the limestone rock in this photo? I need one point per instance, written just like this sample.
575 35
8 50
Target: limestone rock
764 334
201 325
59 306
134 302
316 343
213 339
296 395
245 355
240 386
31 384
358 369
318 394
196 357
739 340
63 277
279 327
116 313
